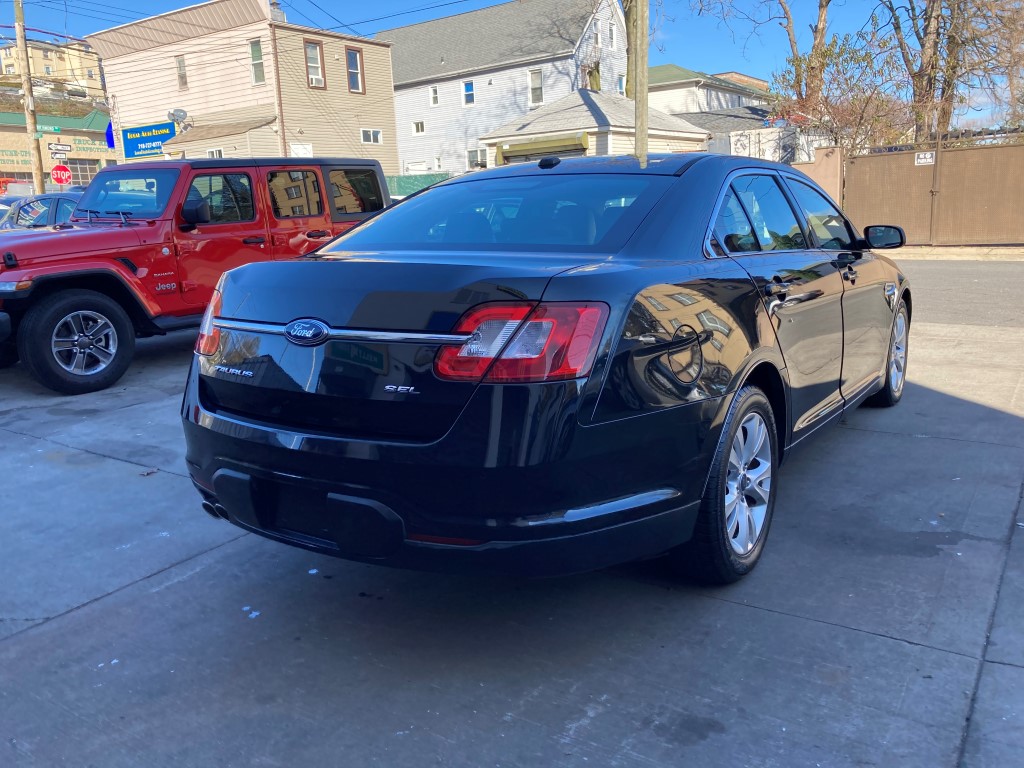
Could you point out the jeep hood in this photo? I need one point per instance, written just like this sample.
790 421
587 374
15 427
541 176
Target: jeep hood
37 246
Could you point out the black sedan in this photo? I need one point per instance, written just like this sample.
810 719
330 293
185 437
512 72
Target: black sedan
547 368
46 210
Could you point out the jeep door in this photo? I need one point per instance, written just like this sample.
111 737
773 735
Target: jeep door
298 218
235 235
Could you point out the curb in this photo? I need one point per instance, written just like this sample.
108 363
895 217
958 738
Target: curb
952 253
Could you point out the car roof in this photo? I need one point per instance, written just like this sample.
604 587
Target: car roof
49 195
657 165
247 162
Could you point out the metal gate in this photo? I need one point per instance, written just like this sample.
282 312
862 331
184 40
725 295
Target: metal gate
943 195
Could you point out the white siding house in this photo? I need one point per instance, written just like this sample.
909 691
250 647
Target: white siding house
460 77
676 90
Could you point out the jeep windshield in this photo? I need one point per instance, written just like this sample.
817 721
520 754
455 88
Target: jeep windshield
138 193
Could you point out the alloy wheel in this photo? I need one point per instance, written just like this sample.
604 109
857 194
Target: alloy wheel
84 343
898 354
748 484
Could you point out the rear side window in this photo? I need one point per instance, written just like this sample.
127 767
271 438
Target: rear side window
824 219
733 231
34 213
574 213
773 219
294 194
355 190
229 196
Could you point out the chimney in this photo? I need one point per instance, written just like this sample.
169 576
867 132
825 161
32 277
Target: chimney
276 14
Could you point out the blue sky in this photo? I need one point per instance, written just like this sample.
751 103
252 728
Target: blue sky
695 42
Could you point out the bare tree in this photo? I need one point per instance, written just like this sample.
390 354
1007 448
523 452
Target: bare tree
755 15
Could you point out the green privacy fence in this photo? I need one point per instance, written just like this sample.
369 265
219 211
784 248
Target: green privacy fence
401 186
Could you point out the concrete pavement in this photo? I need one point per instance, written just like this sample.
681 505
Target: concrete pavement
882 628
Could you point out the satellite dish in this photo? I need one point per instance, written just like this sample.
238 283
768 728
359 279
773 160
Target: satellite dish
177 115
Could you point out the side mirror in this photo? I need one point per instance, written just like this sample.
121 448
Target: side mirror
195 212
884 236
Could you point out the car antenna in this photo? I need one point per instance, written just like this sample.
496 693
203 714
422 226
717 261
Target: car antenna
549 162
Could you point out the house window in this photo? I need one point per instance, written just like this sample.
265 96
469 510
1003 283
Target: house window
417 127
713 322
354 64
47 70
536 87
293 192
434 100
82 171
179 65
259 77
371 136
597 35
7 53
476 158
315 65
620 85
298 210
91 74
685 299
468 95
46 54
9 69
656 304
215 153
611 35
437 163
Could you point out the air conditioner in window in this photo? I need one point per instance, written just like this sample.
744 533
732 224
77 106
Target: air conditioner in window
316 82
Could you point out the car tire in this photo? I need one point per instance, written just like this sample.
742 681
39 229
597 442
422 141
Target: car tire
76 341
895 362
8 354
739 498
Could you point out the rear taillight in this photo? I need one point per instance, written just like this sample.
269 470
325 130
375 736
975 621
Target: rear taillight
510 343
209 336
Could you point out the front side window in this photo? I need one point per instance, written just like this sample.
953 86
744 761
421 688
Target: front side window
314 65
179 65
284 200
355 190
354 65
136 194
468 94
519 214
825 220
259 76
733 231
65 209
229 196
774 222
434 97
536 87
371 136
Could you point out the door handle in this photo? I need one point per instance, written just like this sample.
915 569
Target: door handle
253 240
777 288
316 234
850 274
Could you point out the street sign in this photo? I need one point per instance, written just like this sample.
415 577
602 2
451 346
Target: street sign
48 128
58 147
61 174
924 158
58 155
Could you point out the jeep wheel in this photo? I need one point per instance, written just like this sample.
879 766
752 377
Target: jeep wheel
76 341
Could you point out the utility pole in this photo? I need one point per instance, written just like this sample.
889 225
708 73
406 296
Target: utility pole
30 104
640 36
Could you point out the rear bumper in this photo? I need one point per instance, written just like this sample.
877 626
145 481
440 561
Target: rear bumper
509 503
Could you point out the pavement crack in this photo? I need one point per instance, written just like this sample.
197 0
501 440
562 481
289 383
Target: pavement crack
931 437
141 579
54 441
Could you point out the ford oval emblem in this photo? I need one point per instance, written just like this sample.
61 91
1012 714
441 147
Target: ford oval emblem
306 332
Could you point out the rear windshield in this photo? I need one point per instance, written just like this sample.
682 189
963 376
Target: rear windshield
136 193
585 213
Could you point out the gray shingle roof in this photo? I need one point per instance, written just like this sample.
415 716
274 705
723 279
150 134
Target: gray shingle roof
728 120
521 30
585 110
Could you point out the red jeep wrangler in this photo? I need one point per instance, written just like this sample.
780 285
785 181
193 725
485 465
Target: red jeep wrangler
146 246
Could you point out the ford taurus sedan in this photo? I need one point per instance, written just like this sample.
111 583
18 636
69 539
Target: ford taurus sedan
547 368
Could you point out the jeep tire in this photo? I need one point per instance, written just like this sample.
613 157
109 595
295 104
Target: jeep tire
76 341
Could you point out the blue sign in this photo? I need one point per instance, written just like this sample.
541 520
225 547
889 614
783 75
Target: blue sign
146 140
110 135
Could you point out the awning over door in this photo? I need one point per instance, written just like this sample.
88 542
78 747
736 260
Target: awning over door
566 145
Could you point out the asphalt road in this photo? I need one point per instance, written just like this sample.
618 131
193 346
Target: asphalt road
881 629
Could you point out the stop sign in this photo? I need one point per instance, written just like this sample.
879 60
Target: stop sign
61 174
